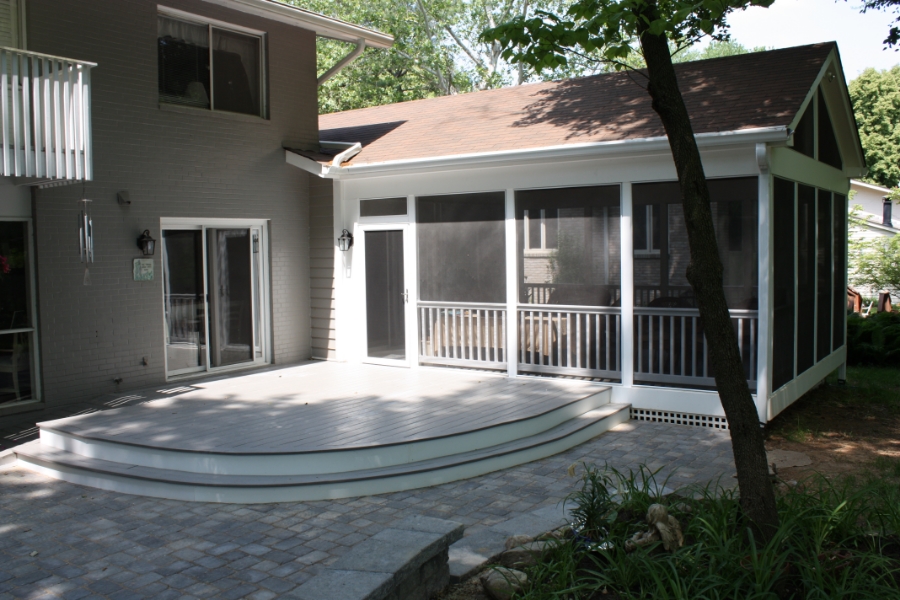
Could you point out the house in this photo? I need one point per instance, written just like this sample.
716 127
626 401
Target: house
537 230
162 121
875 209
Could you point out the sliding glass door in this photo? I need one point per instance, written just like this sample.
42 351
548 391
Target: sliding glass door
18 382
214 297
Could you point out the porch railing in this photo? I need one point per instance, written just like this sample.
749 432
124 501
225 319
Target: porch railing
183 318
462 334
570 340
46 116
670 347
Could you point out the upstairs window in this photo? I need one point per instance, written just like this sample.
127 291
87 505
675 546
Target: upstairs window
210 65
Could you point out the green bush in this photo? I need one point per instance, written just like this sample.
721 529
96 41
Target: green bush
874 340
834 541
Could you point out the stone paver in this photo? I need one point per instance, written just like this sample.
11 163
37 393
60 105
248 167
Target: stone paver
65 541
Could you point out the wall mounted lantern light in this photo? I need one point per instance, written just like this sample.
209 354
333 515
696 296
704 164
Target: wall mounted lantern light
146 243
345 242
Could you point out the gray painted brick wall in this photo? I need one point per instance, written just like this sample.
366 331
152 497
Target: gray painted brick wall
174 164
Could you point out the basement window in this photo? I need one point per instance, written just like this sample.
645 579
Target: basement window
210 65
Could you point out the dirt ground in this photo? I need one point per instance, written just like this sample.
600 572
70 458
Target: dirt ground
845 429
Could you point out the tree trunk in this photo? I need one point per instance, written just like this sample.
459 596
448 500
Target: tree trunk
705 276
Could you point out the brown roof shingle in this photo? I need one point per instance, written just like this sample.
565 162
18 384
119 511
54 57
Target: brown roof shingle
761 89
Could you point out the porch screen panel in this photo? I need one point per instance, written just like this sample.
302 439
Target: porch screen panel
806 272
461 247
662 253
824 287
783 281
840 270
569 246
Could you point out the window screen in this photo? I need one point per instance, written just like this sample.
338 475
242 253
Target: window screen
828 146
839 305
806 273
462 247
382 207
824 314
578 261
236 61
805 134
783 276
660 276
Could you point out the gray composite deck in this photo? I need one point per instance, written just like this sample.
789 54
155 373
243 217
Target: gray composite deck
327 406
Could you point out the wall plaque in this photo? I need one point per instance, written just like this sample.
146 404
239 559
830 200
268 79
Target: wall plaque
143 269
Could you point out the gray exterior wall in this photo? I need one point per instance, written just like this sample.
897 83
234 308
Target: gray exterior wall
190 163
321 258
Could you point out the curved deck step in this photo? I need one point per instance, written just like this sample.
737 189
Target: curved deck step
213 487
314 460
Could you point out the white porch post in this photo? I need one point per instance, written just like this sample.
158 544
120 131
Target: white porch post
412 287
627 254
765 302
512 287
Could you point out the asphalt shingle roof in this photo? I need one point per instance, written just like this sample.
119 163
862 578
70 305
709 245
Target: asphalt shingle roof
761 89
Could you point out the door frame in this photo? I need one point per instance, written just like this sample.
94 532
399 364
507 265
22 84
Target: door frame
409 271
190 224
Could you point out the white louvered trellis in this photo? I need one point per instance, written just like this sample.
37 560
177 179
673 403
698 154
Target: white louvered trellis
46 112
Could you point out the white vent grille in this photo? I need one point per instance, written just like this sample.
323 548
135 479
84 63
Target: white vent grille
660 416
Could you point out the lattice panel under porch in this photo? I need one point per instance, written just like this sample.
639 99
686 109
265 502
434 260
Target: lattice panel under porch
675 418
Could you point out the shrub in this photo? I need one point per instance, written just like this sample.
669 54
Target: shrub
874 340
834 541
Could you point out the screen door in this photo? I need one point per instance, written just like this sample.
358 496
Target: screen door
386 295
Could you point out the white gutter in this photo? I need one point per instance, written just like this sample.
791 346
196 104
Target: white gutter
322 25
761 135
353 55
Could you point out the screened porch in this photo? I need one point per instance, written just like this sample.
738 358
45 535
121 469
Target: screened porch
560 310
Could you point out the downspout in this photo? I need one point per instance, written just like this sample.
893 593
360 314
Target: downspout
353 55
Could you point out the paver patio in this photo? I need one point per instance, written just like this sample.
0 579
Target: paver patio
67 541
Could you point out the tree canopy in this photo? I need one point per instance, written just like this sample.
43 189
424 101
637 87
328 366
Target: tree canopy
876 105
438 51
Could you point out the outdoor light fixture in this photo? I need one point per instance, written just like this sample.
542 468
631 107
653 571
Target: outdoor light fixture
146 243
345 242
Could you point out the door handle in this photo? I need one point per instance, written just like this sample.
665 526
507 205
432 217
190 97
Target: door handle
405 295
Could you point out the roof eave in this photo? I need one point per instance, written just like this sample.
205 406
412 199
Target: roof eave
320 24
760 135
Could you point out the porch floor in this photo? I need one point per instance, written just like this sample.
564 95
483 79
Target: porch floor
327 406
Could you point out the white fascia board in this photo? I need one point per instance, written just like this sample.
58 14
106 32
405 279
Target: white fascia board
320 24
659 144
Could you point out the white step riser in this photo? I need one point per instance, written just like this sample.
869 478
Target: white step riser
319 463
366 487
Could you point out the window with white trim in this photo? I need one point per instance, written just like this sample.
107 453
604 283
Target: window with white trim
646 229
211 65
541 229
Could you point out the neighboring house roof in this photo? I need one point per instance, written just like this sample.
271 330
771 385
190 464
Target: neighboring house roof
328 27
740 93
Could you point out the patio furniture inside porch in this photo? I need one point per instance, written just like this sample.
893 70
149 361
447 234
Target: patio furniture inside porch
323 430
